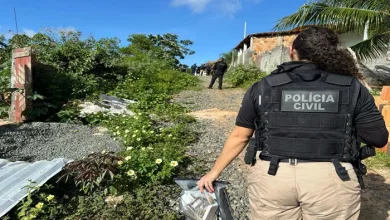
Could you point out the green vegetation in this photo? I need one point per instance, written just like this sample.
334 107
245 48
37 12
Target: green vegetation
137 181
344 16
244 76
379 161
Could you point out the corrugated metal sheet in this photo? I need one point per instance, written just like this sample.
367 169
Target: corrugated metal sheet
14 176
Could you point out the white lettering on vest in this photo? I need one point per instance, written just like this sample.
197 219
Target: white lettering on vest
296 98
288 96
330 98
317 98
297 106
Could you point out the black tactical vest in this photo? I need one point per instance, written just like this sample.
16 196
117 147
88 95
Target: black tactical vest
307 119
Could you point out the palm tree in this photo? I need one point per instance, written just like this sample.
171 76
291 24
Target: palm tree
345 16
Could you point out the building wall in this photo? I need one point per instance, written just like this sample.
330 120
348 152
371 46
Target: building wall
264 44
269 60
351 38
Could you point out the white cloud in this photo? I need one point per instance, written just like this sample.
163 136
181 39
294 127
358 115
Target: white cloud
230 7
197 6
227 7
29 32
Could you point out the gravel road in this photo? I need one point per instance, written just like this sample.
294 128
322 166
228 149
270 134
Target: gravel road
216 112
46 141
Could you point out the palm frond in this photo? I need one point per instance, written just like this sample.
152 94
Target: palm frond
341 15
374 47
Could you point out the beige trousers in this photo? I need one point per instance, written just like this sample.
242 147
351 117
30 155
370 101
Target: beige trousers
303 191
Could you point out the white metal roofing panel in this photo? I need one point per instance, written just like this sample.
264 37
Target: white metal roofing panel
15 176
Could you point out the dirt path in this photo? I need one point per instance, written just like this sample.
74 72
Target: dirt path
216 112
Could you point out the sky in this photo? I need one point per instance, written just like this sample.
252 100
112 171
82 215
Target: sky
215 26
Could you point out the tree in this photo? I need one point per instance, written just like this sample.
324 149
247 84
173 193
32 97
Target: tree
166 46
345 16
229 56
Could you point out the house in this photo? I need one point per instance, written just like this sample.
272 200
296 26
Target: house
269 49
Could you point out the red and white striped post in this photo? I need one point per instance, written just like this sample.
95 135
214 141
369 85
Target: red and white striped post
21 79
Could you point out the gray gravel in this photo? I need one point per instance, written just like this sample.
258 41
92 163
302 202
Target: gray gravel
213 134
46 141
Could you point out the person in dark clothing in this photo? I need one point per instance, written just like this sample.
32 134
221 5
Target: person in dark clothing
193 69
219 68
309 118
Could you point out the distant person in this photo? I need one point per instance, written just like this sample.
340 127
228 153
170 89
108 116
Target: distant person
197 71
193 69
219 68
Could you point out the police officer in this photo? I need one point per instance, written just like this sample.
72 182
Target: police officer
219 68
310 116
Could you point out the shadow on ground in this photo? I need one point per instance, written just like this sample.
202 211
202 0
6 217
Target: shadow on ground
376 198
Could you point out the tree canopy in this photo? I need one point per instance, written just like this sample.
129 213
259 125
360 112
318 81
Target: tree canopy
345 16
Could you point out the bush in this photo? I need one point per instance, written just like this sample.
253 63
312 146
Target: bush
244 76
5 80
154 139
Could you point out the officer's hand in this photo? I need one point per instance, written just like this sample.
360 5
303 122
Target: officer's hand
207 182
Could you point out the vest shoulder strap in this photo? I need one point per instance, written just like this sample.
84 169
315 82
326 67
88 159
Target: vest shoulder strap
356 91
338 79
278 79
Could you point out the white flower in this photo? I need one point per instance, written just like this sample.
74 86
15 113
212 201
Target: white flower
174 163
125 142
118 133
129 148
127 131
152 132
136 131
170 135
120 163
138 139
158 161
131 173
143 148
127 158
123 122
150 148
135 117
104 152
134 135
117 127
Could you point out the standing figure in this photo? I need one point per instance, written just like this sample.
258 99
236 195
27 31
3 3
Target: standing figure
219 68
309 117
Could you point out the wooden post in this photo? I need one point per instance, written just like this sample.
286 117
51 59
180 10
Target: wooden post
21 79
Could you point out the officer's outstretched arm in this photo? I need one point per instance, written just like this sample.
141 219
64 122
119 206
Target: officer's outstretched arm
234 145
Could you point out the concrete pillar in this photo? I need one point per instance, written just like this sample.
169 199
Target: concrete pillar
251 46
21 79
243 55
365 34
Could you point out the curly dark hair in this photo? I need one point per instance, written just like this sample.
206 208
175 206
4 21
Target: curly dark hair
319 45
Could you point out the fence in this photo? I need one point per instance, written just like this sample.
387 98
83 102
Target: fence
266 62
